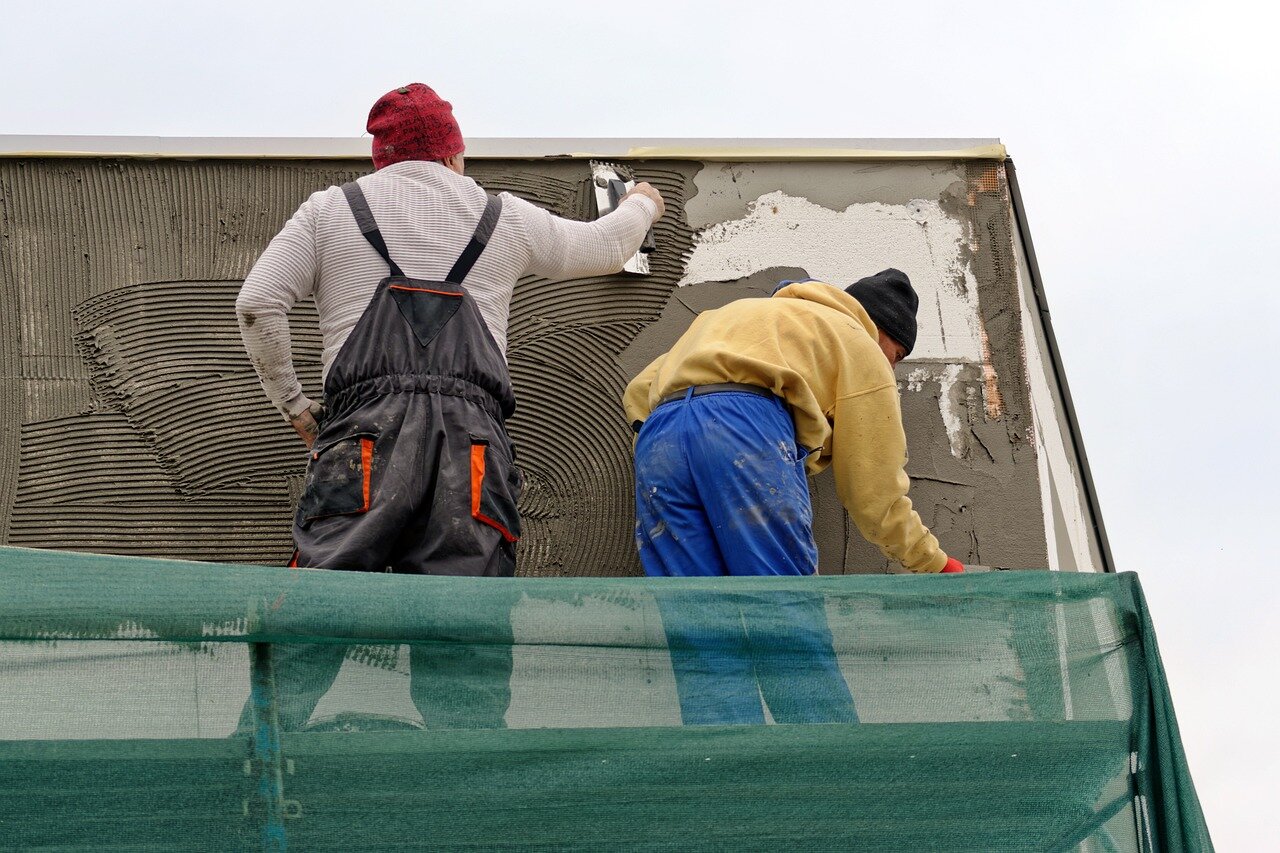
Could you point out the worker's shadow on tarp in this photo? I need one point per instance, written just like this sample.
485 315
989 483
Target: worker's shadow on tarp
456 680
736 654
452 685
738 658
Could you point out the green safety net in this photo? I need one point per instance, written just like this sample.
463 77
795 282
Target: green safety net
165 705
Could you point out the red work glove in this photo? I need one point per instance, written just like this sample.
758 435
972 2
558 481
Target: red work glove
953 565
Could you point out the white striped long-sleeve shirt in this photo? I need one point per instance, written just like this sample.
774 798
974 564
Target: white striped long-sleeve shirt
426 213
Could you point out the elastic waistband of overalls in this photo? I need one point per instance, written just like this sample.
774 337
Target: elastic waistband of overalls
347 398
717 388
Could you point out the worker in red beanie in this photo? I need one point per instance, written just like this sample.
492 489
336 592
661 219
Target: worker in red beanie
412 269
413 123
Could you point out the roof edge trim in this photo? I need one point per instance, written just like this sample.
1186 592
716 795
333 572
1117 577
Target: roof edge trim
1059 372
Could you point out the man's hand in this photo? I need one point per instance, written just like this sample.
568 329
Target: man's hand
646 189
305 425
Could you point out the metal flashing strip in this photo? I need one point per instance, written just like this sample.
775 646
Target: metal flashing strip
755 153
1059 373
357 148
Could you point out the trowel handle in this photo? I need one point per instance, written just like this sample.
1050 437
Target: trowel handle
648 245
617 190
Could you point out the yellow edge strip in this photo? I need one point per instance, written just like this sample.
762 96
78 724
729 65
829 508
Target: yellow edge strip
982 152
185 155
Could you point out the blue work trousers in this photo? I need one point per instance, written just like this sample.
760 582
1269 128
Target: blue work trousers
721 490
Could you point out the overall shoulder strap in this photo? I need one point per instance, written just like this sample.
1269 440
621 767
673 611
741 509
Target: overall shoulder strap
368 225
480 239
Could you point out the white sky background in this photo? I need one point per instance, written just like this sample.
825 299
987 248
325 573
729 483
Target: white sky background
1146 138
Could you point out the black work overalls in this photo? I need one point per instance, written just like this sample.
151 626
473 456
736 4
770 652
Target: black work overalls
413 470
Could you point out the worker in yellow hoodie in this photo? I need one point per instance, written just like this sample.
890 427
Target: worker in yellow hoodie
753 396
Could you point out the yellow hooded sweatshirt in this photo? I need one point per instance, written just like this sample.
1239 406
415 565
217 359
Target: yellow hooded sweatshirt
814 346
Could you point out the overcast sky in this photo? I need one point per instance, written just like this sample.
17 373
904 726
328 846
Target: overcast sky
1146 138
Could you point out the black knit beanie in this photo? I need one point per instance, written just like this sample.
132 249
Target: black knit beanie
891 302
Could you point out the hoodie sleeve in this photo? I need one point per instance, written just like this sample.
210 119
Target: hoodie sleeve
636 398
869 453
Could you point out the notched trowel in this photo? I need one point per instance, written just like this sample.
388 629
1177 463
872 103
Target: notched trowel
612 182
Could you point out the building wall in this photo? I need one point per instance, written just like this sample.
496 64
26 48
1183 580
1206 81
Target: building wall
131 421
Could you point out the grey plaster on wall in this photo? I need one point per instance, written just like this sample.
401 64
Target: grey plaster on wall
981 505
726 189
121 362
690 301
974 481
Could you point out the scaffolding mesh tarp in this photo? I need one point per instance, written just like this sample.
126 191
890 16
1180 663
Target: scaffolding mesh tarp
173 706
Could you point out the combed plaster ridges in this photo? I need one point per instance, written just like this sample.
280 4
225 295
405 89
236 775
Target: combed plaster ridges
988 251
142 261
89 483
573 443
15 251
159 351
111 224
124 285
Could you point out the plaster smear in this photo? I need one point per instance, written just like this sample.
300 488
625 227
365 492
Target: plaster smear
725 190
947 379
840 247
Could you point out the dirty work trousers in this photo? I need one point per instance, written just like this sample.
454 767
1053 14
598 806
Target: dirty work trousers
413 482
721 490
428 453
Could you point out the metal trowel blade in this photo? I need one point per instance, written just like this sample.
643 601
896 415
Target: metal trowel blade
611 182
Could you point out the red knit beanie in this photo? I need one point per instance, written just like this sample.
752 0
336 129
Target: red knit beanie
413 123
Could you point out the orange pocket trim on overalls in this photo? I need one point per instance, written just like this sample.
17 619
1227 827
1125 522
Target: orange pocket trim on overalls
339 478
425 290
477 492
366 465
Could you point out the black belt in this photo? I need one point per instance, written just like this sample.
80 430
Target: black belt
718 388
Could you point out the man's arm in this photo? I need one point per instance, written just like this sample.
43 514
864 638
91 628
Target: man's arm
283 275
563 248
869 452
